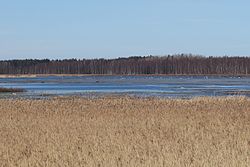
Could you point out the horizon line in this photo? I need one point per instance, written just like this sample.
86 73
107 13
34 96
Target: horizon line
126 57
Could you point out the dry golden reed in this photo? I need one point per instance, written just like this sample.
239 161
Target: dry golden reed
123 131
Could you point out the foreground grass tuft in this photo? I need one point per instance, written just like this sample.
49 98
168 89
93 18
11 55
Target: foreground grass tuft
125 132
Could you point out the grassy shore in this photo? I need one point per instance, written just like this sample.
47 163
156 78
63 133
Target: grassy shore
80 75
123 131
11 90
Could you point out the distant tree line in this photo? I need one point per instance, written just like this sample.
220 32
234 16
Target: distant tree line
172 64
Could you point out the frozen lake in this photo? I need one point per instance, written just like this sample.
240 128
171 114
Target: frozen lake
161 86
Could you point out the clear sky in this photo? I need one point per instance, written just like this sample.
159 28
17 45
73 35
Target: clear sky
120 28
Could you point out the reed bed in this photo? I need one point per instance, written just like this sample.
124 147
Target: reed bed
11 90
124 131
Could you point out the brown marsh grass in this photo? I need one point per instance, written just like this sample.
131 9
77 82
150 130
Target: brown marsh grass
123 131
11 90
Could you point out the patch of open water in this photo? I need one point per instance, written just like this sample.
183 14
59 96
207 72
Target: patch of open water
145 86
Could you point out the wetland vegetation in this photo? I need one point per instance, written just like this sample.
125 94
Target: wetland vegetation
125 131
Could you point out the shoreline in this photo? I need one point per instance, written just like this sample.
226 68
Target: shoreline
131 97
82 75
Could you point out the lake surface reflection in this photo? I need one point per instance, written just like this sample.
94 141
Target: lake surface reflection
160 86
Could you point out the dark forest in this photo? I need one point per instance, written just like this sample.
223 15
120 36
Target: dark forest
170 65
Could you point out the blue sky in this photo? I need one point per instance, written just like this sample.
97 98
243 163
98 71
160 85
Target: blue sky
60 29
